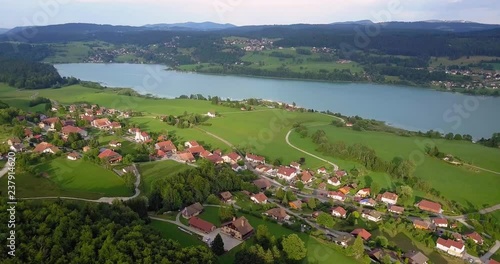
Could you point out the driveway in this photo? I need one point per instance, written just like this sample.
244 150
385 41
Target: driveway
229 242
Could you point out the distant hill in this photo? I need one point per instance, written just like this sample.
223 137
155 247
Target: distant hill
203 26
3 30
79 28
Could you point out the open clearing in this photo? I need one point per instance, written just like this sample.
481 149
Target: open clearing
151 172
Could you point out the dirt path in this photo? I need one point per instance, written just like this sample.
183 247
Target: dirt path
483 169
217 137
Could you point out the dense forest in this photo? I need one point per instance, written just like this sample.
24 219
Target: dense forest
28 74
70 232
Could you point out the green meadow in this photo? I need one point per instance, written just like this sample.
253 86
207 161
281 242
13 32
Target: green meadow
154 171
171 231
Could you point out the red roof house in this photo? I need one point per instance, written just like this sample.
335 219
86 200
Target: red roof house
202 225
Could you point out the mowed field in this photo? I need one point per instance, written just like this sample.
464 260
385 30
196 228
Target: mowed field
64 177
154 171
171 231
467 186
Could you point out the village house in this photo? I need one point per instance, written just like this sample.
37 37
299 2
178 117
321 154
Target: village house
306 177
420 224
205 154
259 198
166 146
239 228
337 196
389 198
192 210
345 189
186 156
110 156
28 133
365 235
295 165
226 197
202 225
262 184
451 247
396 209
142 136
368 202
334 181
322 186
72 129
279 214
339 212
440 222
255 159
415 257
379 254
45 147
196 150
191 144
115 144
49 124
73 156
297 205
115 125
322 170
363 193
215 159
14 140
286 173
371 215
231 158
340 173
474 236
17 147
102 124
238 168
429 206
133 130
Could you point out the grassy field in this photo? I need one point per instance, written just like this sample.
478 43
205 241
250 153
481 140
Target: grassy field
171 231
69 178
211 214
445 61
453 182
154 171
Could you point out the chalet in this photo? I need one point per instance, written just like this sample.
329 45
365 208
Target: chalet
365 235
45 147
322 170
259 198
396 209
73 156
286 173
451 247
337 196
110 156
368 202
295 165
166 146
334 181
371 215
13 141
141 136
279 214
255 159
192 210
262 184
115 144
429 206
202 225
306 177
415 257
71 129
102 124
186 156
440 222
389 198
420 224
215 159
339 212
226 197
232 158
363 193
474 236
297 205
239 228
190 144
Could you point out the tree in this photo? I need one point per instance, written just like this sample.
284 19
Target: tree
375 188
58 126
357 249
311 203
325 219
382 241
129 179
217 245
299 185
263 237
212 199
280 194
225 214
294 247
18 131
405 193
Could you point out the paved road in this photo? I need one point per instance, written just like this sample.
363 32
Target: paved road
490 252
335 166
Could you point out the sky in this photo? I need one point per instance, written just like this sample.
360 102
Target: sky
241 12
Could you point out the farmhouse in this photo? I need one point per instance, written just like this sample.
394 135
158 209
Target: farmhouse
365 235
102 123
232 158
286 173
192 210
420 224
337 196
371 215
429 206
339 212
166 146
451 247
259 198
396 209
73 156
255 158
363 193
389 198
279 214
110 156
45 147
440 222
474 236
71 129
200 224
334 181
239 228
416 257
